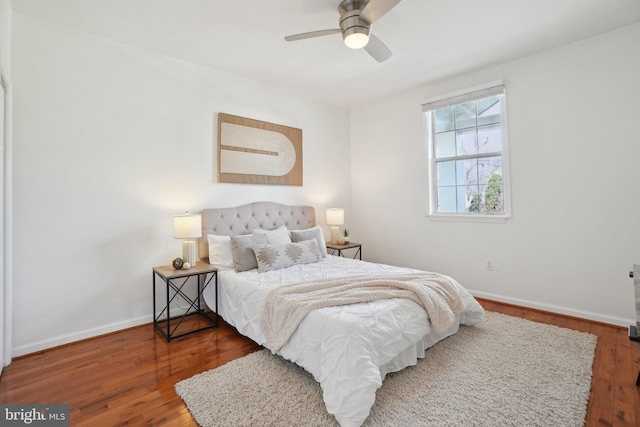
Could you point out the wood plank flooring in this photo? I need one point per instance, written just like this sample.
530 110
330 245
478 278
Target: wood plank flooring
127 377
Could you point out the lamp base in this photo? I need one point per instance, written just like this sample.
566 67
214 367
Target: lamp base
335 232
189 252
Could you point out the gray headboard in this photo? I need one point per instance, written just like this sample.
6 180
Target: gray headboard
245 219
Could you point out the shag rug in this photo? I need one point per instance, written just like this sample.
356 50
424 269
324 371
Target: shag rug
505 371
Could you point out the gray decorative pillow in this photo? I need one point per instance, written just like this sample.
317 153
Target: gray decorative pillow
310 234
243 256
273 257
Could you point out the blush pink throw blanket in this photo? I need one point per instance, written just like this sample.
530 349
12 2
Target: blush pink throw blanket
285 307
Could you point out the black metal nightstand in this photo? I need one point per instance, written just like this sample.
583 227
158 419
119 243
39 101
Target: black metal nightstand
175 281
351 245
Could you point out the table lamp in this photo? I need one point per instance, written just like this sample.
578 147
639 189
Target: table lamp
188 227
335 217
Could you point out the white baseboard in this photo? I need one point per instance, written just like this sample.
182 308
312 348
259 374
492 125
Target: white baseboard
77 336
611 320
113 327
88 333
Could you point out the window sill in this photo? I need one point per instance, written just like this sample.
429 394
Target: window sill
497 219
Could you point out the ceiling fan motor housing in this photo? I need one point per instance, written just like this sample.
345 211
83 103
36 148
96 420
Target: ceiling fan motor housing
350 22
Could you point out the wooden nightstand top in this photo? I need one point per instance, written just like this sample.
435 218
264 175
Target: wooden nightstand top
168 272
345 246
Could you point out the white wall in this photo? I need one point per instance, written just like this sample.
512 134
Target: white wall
5 158
5 34
110 143
573 116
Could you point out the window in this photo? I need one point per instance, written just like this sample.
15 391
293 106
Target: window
466 136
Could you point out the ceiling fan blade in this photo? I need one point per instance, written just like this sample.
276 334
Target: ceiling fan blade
378 50
375 9
312 34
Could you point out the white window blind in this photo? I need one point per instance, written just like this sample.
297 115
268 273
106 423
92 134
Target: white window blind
459 99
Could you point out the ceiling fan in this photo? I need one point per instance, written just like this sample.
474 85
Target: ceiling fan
356 17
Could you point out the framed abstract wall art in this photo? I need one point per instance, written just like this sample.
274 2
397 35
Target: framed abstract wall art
255 152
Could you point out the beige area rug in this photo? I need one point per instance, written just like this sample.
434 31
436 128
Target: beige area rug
504 372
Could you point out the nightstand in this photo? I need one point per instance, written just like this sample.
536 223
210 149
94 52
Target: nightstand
175 282
351 245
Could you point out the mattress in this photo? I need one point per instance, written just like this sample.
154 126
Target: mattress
348 349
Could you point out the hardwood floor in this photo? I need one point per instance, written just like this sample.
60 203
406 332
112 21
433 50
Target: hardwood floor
127 378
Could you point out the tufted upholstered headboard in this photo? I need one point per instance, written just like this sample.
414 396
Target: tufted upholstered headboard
245 219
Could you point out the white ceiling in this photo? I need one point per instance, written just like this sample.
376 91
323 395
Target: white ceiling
430 39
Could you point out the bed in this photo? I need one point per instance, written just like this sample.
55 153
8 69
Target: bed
348 349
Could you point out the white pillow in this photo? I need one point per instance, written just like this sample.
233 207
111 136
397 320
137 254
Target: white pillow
310 234
278 236
220 253
276 256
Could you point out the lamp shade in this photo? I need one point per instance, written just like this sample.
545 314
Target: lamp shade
335 216
187 226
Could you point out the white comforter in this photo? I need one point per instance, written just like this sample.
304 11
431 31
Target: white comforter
348 349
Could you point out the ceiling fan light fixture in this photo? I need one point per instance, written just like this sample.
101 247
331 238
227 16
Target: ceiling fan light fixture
356 40
354 31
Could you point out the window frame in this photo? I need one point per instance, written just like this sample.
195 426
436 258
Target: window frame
453 98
